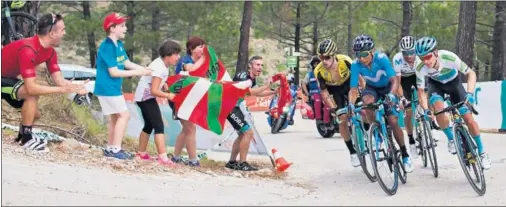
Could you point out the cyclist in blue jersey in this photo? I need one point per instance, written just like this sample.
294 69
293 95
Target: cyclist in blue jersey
376 68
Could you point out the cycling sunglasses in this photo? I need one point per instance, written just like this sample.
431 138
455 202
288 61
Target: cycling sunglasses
325 57
428 56
363 54
408 53
56 18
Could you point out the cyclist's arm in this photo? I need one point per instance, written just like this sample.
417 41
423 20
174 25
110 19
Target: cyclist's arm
28 73
329 101
394 79
304 84
400 92
361 82
354 79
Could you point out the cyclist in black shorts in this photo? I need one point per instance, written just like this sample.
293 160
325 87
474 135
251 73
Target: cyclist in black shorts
404 63
237 116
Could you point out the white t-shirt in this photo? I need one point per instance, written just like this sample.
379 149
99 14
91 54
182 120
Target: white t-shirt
143 91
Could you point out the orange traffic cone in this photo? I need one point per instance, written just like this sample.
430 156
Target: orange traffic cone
281 163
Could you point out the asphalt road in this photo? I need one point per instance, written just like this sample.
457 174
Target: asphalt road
321 175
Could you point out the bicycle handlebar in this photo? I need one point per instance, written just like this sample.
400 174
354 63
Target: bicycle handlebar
455 106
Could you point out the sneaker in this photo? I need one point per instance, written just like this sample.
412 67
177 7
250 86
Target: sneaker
413 151
355 162
194 164
290 122
451 147
167 163
144 156
177 160
408 166
244 166
485 161
35 144
231 165
122 155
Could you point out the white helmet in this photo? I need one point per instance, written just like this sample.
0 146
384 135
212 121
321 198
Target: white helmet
407 43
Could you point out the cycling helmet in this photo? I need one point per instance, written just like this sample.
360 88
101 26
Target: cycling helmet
327 48
290 78
407 43
363 42
17 4
425 45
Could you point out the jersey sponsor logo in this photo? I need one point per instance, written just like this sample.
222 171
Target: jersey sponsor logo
448 57
398 62
446 71
237 120
375 79
120 58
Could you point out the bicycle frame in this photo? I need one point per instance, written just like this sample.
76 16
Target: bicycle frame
356 121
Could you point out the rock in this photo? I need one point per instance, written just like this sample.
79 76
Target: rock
71 143
236 174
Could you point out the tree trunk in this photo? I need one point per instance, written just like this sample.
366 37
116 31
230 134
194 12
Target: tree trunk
297 43
406 18
466 30
155 28
190 30
31 7
242 54
130 28
315 37
350 32
499 37
92 47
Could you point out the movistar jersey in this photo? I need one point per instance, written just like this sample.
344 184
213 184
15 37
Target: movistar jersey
402 67
378 75
449 67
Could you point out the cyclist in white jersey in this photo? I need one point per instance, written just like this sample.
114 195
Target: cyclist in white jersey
404 63
442 68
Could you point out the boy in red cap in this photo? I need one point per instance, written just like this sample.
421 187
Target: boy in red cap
112 61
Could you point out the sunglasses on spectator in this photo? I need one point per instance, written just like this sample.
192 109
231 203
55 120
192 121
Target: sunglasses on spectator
56 18
362 54
408 53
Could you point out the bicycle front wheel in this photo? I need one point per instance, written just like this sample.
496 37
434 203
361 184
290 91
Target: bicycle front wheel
431 147
469 160
383 158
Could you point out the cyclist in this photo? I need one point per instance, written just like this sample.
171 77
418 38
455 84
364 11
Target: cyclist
19 86
333 74
442 68
381 82
237 117
404 62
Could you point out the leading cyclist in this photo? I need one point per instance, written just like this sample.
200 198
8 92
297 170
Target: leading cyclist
443 67
381 81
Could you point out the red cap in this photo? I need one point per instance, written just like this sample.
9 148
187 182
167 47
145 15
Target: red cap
113 18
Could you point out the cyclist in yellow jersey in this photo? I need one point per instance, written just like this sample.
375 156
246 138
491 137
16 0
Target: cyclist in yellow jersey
333 74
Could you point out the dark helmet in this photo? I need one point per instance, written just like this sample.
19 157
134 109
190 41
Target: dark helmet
363 42
327 48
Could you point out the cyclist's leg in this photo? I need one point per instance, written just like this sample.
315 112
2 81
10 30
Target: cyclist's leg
369 96
436 102
458 95
407 83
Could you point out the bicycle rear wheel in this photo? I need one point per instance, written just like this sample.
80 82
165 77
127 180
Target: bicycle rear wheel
431 147
469 159
362 151
381 155
25 25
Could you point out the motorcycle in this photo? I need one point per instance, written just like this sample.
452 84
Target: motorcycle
282 105
316 110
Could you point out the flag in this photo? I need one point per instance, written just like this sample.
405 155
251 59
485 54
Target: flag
204 102
212 68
